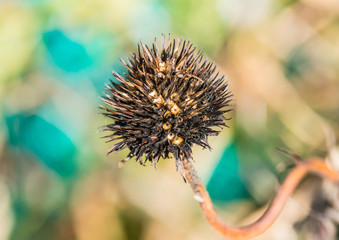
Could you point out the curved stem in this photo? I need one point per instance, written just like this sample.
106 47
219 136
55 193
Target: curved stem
313 165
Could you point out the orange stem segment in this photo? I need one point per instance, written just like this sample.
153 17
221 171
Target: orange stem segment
313 165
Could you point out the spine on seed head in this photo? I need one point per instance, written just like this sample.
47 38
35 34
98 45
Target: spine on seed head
166 101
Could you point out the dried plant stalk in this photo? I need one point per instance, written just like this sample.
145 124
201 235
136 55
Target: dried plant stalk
171 99
313 165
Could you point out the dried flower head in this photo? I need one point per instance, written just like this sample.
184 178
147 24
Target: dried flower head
167 101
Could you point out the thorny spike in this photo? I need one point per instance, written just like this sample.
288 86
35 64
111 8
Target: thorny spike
166 101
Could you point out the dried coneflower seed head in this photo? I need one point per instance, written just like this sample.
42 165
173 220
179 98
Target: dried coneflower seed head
166 101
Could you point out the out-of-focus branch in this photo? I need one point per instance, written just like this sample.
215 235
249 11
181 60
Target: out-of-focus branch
313 165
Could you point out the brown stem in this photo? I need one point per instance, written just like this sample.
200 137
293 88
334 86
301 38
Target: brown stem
313 165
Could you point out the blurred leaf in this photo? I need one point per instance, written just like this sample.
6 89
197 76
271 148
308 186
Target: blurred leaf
226 183
133 222
297 63
38 226
69 55
52 146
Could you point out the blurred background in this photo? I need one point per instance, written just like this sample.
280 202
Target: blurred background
281 59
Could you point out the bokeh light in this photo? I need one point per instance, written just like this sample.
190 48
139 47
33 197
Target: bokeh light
56 182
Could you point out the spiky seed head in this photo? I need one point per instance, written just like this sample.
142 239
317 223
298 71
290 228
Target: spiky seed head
165 102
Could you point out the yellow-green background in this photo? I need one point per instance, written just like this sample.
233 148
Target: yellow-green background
281 59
